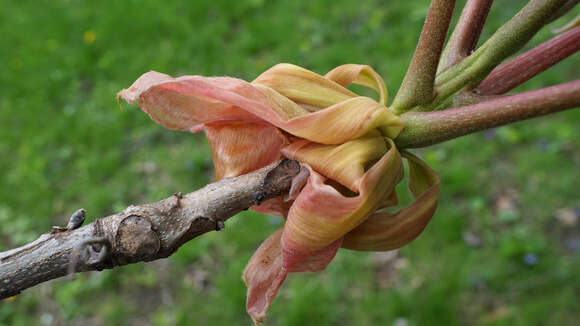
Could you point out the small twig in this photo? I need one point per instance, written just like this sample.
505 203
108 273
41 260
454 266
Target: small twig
527 65
466 33
417 86
511 37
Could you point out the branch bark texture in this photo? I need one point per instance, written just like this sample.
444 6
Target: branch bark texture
140 233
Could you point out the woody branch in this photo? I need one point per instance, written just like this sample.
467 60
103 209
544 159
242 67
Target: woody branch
140 233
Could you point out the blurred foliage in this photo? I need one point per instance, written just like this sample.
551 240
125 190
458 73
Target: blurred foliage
502 249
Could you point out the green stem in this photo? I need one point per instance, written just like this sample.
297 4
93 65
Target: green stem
511 37
417 86
428 128
525 66
564 9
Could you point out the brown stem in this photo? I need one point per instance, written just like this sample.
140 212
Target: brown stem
417 86
140 233
427 128
466 33
525 66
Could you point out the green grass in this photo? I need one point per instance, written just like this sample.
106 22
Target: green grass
65 144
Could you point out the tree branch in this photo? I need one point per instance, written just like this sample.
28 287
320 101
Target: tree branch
139 233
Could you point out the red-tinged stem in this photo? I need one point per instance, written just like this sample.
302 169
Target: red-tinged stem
427 128
466 33
511 37
417 86
525 66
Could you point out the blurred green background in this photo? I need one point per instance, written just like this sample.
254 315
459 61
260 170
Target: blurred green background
502 249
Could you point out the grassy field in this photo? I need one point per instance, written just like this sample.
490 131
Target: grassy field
502 249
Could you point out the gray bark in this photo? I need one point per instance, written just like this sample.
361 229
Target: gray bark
139 233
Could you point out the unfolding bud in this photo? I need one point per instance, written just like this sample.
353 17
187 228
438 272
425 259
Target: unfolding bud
324 212
345 163
345 141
